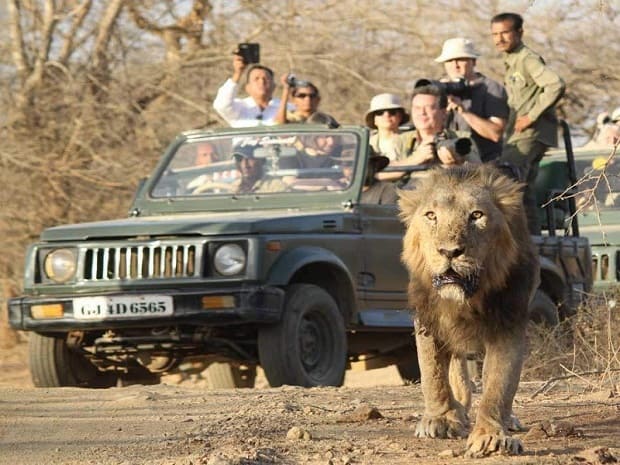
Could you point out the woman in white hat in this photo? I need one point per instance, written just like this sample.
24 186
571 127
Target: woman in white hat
385 115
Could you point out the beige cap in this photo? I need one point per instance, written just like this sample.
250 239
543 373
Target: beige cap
458 47
384 102
615 115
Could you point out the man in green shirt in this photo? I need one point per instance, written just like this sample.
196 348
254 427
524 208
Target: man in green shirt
533 90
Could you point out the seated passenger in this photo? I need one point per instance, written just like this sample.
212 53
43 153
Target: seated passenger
314 151
316 164
253 177
385 116
430 144
375 191
428 110
205 155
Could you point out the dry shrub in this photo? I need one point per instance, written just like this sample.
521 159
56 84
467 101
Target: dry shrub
584 347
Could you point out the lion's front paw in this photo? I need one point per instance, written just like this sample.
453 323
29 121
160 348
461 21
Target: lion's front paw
448 425
481 443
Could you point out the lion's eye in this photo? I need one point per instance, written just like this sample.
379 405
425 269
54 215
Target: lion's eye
430 215
476 215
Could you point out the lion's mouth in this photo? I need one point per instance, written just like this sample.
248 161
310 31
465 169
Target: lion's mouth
468 283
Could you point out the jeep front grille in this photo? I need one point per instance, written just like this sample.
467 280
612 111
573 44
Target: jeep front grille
142 262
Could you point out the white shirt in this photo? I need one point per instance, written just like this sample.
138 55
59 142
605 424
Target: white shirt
243 112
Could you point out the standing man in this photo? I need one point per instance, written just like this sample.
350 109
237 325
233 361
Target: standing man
533 90
256 109
482 109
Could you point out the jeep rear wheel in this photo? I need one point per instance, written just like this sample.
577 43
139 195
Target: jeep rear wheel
53 364
308 346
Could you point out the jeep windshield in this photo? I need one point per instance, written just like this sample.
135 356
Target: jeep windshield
265 164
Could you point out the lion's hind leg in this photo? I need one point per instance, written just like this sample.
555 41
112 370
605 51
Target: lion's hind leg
460 382
444 416
451 425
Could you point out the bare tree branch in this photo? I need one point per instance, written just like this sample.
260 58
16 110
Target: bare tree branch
79 15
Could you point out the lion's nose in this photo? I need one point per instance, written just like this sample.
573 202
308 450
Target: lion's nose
451 252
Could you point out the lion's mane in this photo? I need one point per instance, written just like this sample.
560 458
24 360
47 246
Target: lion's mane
474 213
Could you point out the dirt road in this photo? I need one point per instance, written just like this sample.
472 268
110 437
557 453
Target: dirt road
369 421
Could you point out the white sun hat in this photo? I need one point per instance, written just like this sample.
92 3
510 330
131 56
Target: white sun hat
457 47
384 102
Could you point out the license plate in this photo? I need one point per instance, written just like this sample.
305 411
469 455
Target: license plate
118 307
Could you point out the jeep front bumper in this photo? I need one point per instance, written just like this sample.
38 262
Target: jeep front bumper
215 307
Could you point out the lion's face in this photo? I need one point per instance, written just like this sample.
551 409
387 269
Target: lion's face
459 234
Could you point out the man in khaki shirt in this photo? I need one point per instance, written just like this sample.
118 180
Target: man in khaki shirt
533 90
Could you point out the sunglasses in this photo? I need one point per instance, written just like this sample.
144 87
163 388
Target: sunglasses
304 95
391 112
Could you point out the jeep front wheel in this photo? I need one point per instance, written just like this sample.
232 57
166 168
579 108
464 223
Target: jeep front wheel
308 346
53 364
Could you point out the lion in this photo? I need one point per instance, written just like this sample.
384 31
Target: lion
472 272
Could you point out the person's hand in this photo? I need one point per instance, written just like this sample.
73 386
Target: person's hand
239 66
284 80
522 123
425 153
455 104
447 157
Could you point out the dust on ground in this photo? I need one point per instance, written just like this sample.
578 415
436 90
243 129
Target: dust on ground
370 420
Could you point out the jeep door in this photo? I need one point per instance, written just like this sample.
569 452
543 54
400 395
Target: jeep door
383 283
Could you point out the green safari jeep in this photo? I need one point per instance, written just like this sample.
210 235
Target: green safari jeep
597 199
264 254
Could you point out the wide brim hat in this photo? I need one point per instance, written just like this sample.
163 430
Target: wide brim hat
384 102
457 47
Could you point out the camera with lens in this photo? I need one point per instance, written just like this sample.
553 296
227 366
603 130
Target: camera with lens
291 80
461 146
459 88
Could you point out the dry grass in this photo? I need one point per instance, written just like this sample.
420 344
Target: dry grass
585 347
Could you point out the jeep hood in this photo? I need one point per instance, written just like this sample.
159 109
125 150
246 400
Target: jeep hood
234 223
601 235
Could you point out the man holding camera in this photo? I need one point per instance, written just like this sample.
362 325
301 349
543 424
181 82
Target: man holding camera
533 90
431 143
480 105
259 107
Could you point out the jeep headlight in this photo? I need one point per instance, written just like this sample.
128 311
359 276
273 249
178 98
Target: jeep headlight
60 265
229 259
